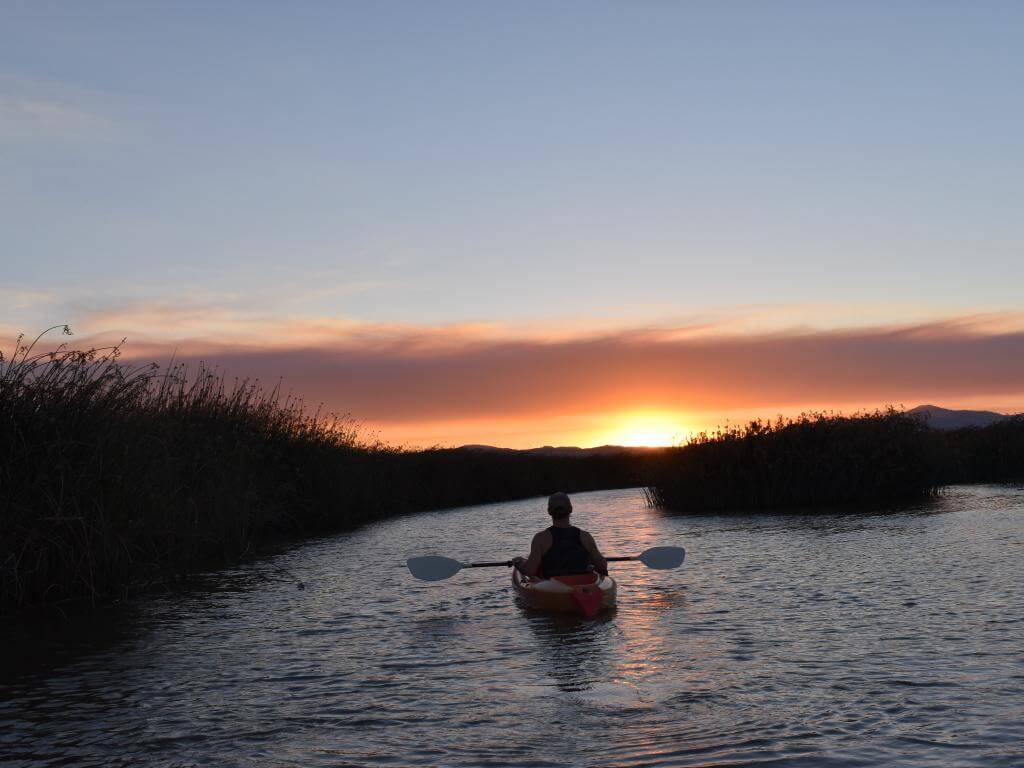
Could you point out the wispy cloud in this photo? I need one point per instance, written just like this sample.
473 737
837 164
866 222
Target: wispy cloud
465 382
216 326
22 299
33 110
28 119
393 374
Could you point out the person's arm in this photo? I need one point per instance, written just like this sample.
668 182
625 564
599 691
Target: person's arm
595 554
540 545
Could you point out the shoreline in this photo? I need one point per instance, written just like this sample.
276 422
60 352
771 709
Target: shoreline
113 477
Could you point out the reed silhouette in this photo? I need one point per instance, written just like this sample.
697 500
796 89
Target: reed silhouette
813 460
114 476
989 454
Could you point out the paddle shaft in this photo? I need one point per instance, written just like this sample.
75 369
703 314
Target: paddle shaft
437 567
508 563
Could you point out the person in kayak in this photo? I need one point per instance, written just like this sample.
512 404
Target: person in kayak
562 549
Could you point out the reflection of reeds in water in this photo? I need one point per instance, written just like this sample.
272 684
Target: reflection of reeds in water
113 476
816 459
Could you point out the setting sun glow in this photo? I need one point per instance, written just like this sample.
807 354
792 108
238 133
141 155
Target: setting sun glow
646 429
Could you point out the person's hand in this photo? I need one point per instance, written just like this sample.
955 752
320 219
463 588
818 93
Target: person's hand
518 561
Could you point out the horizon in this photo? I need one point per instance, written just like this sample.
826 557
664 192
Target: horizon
580 224
917 408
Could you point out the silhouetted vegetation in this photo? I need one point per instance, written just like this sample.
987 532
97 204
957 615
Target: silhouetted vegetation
817 459
823 459
990 454
115 476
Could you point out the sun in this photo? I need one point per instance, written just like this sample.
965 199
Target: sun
645 429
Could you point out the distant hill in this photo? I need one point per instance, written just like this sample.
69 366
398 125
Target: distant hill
563 450
933 415
944 418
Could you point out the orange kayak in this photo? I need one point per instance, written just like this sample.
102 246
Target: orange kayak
585 594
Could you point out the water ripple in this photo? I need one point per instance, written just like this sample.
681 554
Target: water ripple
812 640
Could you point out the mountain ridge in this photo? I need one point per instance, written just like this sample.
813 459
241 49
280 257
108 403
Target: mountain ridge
937 417
934 416
566 450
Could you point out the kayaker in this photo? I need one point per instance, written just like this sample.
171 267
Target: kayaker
563 548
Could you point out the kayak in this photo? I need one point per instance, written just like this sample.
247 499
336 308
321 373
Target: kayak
585 594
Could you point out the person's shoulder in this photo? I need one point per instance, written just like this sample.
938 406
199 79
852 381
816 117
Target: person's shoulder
542 541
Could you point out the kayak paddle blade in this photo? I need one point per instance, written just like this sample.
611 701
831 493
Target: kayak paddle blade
433 567
663 558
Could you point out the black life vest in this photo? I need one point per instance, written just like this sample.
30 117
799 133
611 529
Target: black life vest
567 554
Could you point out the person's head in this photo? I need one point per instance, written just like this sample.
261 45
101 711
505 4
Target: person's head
559 506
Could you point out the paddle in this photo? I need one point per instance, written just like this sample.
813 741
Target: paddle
437 568
658 558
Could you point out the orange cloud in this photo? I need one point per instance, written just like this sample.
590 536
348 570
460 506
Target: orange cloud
463 376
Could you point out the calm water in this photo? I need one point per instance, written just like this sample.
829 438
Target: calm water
893 640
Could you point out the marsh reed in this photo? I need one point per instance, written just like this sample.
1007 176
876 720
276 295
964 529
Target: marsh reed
116 476
989 454
816 459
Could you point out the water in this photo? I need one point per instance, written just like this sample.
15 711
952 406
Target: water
859 639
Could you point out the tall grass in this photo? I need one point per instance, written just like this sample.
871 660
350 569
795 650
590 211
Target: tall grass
816 459
994 453
115 476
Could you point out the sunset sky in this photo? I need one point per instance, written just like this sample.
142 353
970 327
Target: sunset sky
528 223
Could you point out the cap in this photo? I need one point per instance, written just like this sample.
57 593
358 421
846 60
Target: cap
559 504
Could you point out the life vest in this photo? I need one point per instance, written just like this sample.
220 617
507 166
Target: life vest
567 554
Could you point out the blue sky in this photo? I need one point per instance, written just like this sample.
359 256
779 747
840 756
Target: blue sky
188 169
447 162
